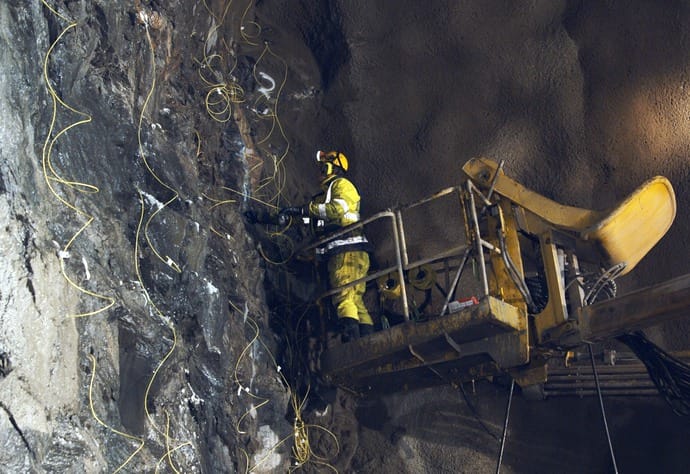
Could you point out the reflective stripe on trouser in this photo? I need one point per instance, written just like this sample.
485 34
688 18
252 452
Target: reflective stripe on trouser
343 268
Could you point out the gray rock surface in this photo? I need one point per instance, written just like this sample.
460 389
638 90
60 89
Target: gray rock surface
134 318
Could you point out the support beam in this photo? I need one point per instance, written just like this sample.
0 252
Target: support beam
645 307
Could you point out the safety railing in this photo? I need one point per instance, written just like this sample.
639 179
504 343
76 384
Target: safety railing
402 263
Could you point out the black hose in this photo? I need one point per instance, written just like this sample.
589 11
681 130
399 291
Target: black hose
670 376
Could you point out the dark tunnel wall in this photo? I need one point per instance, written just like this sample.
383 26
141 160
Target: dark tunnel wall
574 96
584 101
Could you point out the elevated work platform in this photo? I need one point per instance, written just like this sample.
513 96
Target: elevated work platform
469 344
487 339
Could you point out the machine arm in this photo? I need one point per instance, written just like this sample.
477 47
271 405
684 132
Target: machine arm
645 307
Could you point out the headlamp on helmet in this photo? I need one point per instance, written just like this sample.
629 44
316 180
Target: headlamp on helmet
334 158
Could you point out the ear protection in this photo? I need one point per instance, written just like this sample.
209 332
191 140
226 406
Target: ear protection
327 168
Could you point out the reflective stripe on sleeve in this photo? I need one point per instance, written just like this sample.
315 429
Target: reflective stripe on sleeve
342 203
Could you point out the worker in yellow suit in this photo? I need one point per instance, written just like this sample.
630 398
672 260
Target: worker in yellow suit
347 255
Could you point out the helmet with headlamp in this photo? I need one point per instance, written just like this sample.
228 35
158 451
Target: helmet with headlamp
331 162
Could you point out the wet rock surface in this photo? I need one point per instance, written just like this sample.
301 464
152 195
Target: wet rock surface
143 324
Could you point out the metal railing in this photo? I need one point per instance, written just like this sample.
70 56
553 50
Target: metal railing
401 258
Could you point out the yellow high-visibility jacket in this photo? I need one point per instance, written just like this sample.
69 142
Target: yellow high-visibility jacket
338 206
339 203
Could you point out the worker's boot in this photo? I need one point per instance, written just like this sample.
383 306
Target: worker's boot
366 329
350 329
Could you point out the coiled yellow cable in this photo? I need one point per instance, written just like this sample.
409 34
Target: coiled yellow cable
301 450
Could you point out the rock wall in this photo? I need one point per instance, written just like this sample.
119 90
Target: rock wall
134 324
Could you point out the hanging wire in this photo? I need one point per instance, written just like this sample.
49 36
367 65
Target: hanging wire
456 386
139 440
505 427
52 177
601 406
670 375
605 281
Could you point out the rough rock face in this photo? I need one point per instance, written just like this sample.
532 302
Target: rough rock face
142 324
134 324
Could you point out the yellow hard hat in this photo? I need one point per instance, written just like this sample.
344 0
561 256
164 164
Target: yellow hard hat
336 158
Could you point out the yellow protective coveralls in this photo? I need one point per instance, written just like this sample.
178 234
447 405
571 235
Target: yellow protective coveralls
338 206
